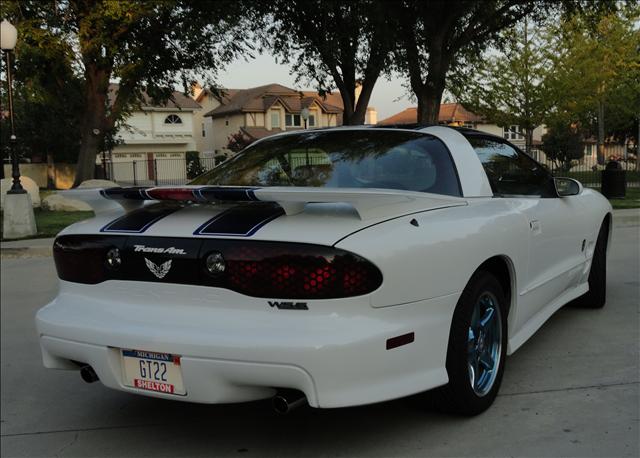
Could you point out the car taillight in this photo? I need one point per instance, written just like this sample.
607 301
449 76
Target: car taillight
277 270
87 259
298 271
183 194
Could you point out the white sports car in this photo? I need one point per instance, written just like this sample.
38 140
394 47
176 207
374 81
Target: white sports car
338 266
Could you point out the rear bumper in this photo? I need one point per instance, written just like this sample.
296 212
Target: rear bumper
335 352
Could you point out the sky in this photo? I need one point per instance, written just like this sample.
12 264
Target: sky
388 97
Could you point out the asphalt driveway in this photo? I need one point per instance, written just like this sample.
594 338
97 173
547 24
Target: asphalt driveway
572 390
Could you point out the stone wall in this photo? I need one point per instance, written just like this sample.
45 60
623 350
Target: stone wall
62 174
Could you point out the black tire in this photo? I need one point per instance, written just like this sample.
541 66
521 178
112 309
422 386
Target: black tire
596 297
458 396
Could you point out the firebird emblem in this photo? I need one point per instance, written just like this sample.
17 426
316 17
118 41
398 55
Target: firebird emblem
159 271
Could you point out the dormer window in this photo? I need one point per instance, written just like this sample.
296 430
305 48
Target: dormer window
292 120
172 119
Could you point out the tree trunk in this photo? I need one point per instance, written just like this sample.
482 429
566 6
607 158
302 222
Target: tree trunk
528 141
358 116
347 93
89 148
429 99
601 158
94 122
347 114
360 113
430 96
51 172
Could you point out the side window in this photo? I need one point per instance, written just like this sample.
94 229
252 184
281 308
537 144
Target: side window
511 172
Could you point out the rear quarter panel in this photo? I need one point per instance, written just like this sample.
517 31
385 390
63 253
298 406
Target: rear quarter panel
437 256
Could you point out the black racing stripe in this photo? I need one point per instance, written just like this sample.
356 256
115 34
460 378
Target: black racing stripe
141 219
133 193
244 220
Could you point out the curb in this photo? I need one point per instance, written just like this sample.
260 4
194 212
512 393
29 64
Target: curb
25 252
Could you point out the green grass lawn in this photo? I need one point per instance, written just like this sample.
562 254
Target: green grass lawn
50 223
631 200
588 176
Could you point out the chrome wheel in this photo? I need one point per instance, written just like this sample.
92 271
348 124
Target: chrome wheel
484 344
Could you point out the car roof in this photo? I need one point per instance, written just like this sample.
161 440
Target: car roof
466 131
416 127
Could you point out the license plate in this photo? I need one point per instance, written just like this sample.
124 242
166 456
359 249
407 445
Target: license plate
152 371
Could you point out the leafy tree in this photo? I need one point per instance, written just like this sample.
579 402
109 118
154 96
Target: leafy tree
46 92
437 36
508 87
194 166
562 144
146 45
335 44
596 72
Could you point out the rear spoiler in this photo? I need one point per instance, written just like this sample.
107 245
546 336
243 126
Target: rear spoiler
368 203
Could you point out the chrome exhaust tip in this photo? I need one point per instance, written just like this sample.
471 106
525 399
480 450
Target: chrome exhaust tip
88 374
287 400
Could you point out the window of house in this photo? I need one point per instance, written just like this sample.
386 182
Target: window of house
510 171
588 150
292 120
172 119
513 132
226 121
275 119
204 134
311 122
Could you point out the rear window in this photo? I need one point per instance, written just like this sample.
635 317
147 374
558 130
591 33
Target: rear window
364 158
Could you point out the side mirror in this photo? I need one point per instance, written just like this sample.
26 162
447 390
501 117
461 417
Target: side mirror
567 187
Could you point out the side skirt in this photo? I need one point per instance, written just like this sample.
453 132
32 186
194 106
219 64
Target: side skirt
542 316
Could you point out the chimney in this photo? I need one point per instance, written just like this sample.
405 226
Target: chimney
196 88
371 117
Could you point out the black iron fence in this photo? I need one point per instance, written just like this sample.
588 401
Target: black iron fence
154 172
588 169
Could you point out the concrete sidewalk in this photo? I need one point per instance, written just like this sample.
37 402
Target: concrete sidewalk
28 248
627 217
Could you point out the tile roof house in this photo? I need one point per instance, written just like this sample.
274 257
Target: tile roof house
450 113
266 110
454 114
178 101
152 133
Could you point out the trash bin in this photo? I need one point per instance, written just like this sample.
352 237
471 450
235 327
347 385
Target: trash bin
614 181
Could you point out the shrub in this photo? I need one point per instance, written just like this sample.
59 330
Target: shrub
194 167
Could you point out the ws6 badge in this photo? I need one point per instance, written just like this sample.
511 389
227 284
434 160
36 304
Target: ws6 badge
289 305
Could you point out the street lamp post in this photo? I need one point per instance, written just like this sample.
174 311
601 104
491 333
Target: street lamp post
304 114
8 38
19 220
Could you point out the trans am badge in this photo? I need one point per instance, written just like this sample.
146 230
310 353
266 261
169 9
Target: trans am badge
158 270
